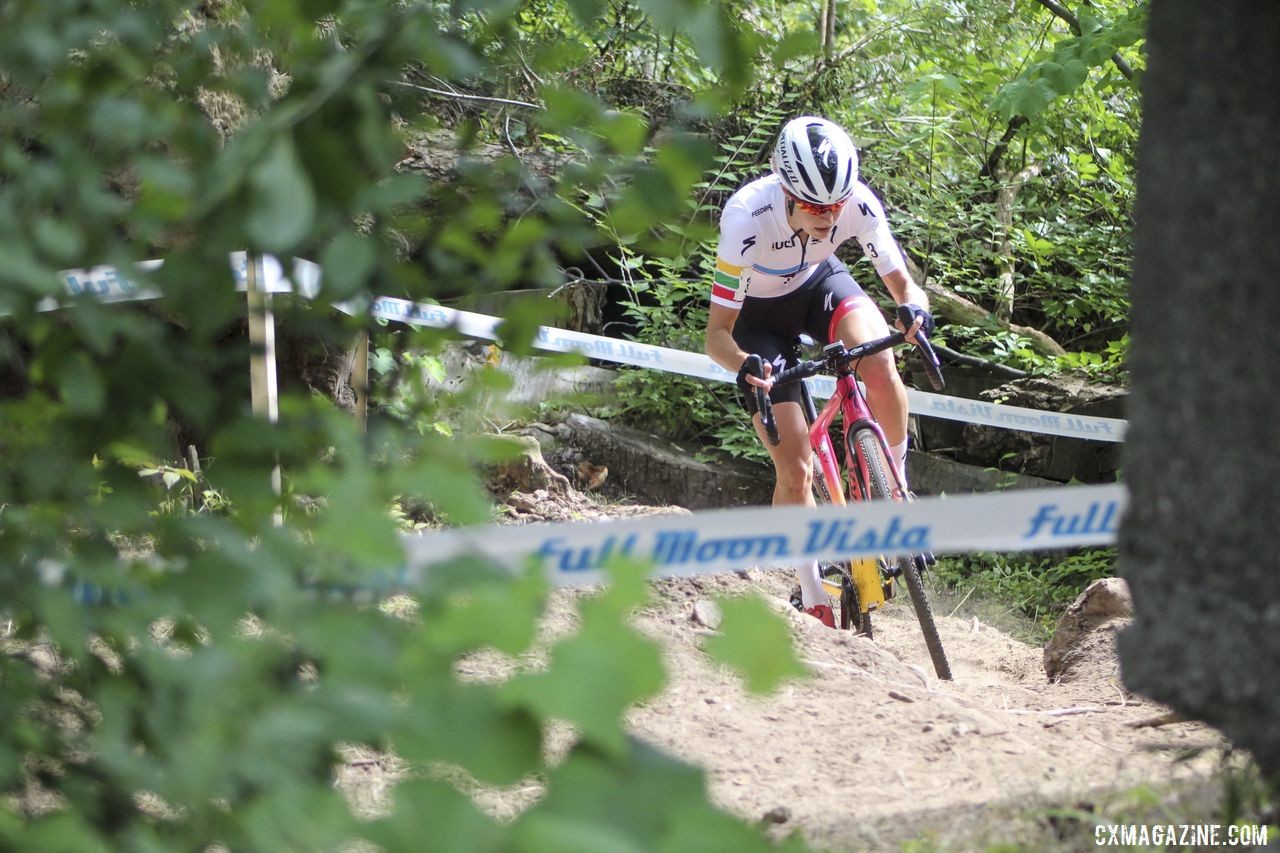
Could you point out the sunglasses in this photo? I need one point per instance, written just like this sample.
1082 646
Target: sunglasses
815 209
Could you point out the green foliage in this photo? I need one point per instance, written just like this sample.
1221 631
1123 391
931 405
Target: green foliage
1068 65
1036 586
928 149
670 309
756 643
179 668
932 86
584 683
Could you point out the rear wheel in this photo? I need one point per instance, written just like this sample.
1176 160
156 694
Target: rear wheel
865 445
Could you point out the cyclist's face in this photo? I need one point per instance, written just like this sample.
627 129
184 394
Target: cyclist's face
816 220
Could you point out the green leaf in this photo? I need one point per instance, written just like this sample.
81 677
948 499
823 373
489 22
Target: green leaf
544 832
595 675
282 203
348 262
756 642
587 11
433 817
470 725
643 800
503 615
81 386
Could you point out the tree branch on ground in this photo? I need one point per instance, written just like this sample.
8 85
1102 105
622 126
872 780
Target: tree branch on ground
958 309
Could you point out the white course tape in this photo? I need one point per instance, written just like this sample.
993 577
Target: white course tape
108 285
721 540
1015 417
702 367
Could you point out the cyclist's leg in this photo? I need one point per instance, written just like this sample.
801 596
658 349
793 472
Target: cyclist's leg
792 455
768 329
846 313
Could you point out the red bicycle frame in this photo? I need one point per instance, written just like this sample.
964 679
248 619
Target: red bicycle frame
849 402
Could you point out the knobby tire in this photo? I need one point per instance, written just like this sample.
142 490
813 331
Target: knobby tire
866 445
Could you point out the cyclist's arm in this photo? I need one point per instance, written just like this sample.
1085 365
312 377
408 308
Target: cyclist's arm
904 289
733 257
721 346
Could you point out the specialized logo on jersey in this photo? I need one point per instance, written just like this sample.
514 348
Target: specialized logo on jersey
826 305
748 243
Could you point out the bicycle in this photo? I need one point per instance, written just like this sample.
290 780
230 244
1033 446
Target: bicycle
861 585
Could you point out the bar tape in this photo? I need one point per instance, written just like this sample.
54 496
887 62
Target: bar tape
107 284
722 540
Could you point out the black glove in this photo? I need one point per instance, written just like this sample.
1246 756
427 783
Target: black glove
751 365
908 313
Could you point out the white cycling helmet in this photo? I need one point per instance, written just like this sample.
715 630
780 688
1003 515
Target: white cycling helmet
816 160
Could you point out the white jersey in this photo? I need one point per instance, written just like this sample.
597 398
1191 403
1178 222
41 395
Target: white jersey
760 255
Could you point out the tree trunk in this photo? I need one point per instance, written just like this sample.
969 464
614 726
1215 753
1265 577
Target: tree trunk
827 27
1202 457
1005 197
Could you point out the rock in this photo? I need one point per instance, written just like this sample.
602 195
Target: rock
1051 457
707 613
777 814
934 475
1084 641
658 470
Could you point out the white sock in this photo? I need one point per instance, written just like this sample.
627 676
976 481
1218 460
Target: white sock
811 591
899 452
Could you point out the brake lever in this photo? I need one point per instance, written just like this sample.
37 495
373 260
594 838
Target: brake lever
755 366
932 367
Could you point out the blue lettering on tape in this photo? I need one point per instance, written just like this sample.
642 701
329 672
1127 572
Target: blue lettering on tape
1049 520
682 547
111 283
844 535
567 559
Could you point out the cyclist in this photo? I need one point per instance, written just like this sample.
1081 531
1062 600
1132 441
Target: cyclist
777 276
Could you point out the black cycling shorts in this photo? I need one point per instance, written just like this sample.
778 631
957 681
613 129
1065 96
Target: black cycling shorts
769 327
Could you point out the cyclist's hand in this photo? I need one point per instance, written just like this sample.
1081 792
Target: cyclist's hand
746 379
920 321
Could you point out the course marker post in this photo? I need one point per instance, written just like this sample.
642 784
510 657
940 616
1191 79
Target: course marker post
264 398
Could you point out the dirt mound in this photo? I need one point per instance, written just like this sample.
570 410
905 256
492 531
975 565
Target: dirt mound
1084 642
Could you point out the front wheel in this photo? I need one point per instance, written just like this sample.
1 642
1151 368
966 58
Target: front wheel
864 445
924 613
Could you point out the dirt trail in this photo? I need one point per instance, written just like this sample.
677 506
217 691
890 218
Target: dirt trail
936 752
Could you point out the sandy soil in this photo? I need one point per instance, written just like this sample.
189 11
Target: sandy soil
873 750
